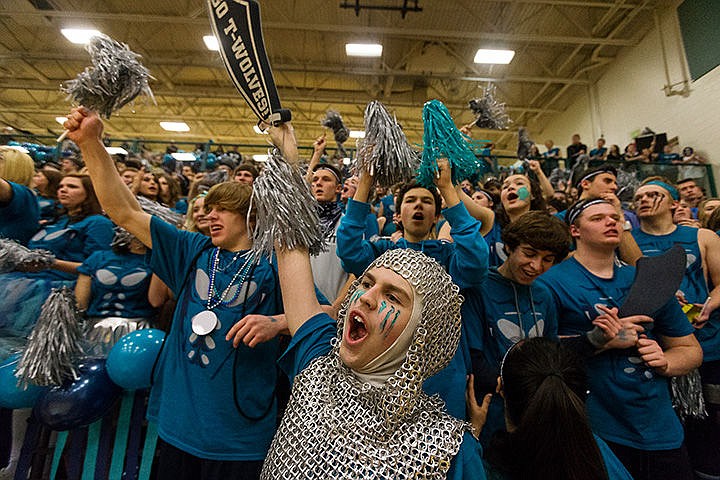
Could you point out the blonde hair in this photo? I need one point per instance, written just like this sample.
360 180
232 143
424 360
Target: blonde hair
190 224
16 166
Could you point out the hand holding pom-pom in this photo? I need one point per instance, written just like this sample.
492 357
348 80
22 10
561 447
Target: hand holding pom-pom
83 126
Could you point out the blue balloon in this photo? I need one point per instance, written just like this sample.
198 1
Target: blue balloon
12 396
131 360
80 402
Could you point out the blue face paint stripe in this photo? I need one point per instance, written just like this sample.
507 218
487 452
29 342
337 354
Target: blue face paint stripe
383 306
392 324
358 293
387 317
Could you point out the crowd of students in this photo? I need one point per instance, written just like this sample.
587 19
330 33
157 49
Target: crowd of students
514 283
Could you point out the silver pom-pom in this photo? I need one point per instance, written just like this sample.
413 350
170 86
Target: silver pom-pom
687 396
154 208
524 144
489 113
14 256
334 121
286 211
54 344
115 78
385 152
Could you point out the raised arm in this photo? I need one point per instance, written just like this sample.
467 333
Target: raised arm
484 214
119 203
318 148
545 185
298 290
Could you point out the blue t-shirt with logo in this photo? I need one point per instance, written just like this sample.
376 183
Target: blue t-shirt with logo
48 207
73 242
693 286
496 316
199 378
493 238
629 403
119 285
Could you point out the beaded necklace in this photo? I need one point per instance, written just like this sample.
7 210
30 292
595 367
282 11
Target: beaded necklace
205 322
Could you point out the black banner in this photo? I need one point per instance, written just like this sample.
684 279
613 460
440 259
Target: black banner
236 25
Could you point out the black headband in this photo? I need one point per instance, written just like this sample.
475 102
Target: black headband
576 210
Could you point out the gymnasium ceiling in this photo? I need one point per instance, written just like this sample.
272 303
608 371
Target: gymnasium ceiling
561 47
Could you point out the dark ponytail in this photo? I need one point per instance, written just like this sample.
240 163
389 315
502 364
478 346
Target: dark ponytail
544 385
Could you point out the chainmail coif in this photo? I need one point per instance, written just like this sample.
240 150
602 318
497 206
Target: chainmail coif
337 427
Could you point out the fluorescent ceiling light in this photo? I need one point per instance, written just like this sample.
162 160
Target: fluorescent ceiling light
494 56
260 158
257 129
184 156
357 134
363 49
18 148
60 120
116 151
175 126
79 35
211 43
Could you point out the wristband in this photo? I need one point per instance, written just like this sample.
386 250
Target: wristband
596 337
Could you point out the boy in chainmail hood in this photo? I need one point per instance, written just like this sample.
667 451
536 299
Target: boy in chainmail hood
357 408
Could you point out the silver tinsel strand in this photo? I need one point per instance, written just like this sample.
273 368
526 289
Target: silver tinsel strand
54 344
154 208
385 152
687 396
489 113
334 121
115 78
286 211
122 238
524 144
14 256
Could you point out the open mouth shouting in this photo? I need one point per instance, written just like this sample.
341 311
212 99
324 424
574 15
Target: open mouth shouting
355 329
420 216
512 196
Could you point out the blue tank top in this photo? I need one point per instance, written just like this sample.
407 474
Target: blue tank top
693 285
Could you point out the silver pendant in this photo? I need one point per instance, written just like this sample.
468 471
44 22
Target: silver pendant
204 322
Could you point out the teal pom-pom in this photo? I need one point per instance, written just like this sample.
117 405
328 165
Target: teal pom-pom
442 139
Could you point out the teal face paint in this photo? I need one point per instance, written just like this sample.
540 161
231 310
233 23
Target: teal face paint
392 324
383 306
523 193
387 317
358 293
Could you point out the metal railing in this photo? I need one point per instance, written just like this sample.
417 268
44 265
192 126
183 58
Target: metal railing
498 163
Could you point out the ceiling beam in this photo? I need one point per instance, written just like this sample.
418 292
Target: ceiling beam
417 34
327 97
311 68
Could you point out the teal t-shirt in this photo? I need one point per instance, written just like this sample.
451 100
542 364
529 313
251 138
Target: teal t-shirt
693 285
199 378
20 216
73 241
119 285
629 403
